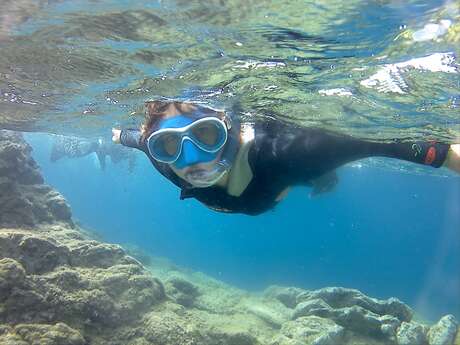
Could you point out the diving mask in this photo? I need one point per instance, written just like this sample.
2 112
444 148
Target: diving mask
184 141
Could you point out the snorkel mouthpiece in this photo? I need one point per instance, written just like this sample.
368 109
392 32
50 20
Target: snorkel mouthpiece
203 178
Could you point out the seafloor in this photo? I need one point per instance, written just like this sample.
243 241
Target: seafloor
59 286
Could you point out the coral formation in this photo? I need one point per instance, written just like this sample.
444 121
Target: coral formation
58 286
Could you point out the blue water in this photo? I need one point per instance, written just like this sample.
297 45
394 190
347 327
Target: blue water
384 232
82 67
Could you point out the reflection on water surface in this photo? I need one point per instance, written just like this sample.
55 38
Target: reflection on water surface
80 67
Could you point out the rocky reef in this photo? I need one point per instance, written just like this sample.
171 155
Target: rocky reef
58 286
25 200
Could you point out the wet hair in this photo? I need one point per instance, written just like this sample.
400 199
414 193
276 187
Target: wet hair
155 112
158 110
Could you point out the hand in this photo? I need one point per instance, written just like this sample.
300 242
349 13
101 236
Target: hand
116 135
453 158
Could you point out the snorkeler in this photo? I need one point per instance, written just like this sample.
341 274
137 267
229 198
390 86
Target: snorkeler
75 147
248 167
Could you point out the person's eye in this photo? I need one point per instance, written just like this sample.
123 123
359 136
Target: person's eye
170 145
202 131
207 134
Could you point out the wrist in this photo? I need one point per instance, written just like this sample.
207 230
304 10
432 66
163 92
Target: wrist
116 136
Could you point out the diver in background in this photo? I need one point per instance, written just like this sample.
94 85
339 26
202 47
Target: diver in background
74 147
248 168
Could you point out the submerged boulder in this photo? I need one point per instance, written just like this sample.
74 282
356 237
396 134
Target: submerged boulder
310 330
166 327
443 333
37 254
58 286
339 297
25 334
12 274
24 198
315 306
354 311
182 291
286 295
411 333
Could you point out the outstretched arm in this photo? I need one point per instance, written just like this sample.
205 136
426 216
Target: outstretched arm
304 154
348 149
128 137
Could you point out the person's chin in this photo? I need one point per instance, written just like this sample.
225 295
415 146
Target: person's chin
201 175
199 167
195 171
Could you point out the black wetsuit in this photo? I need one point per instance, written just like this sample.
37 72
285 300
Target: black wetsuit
284 155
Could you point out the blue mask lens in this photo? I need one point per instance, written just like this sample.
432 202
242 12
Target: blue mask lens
185 141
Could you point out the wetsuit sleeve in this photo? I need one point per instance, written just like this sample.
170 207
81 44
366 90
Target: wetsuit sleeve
298 155
132 138
427 153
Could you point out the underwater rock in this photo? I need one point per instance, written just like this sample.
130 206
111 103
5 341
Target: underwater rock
11 274
28 205
312 307
96 254
58 206
355 318
35 253
15 159
24 198
310 330
173 326
354 311
115 301
411 333
182 291
339 297
389 327
25 334
286 295
331 337
166 327
443 333
42 280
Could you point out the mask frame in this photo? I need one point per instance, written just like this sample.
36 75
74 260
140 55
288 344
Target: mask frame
186 133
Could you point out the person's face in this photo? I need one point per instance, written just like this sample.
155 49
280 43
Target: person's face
194 165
